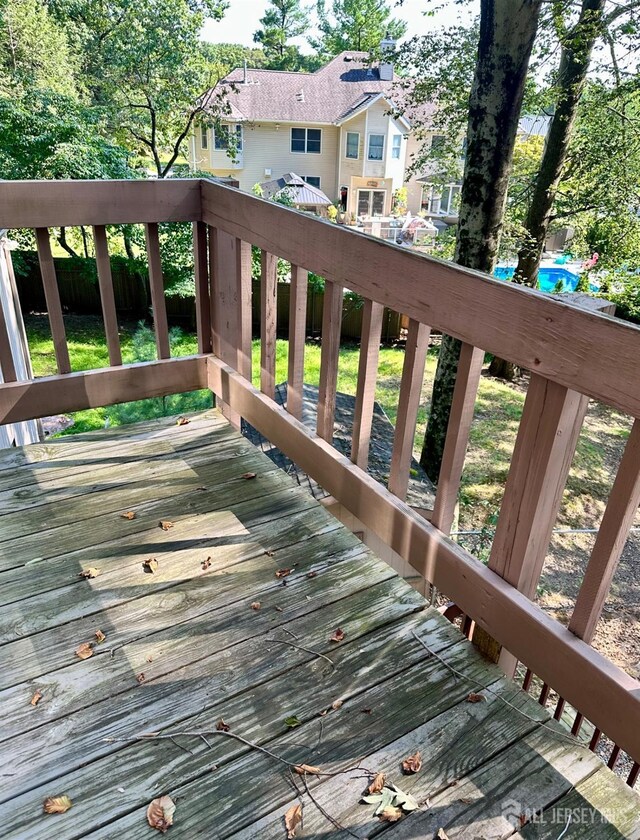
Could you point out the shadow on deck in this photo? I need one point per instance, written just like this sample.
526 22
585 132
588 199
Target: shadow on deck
214 632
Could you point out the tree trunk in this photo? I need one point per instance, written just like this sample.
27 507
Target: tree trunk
62 240
577 46
507 33
502 369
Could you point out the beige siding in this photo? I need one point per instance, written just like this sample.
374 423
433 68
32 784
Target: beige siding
350 168
377 123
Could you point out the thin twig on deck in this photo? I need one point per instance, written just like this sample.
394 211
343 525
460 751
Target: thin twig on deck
301 647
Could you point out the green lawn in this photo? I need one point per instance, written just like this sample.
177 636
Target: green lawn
497 415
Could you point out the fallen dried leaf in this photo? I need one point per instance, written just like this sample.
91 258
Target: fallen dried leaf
130 514
37 697
149 658
85 650
269 553
150 566
366 711
307 768
182 421
221 726
311 574
248 476
56 804
140 678
377 784
278 609
206 563
292 721
336 704
475 698
292 820
442 834
91 572
165 524
160 813
338 635
412 763
390 814
256 605
100 636
282 573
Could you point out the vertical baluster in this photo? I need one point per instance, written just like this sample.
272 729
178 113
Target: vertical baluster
243 282
613 758
559 708
526 683
7 365
297 335
367 374
331 330
544 694
455 448
52 296
203 306
156 283
107 298
225 263
595 739
632 778
577 724
612 536
415 357
268 319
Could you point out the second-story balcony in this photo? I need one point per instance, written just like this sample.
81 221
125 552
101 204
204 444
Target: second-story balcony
191 643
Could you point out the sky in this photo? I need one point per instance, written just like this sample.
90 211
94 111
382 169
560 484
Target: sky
241 20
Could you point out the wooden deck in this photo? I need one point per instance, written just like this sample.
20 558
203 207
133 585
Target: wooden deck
184 648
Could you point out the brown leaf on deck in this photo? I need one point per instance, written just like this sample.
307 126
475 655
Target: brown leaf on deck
269 553
85 650
475 698
366 711
256 605
160 813
140 678
282 573
412 763
307 768
37 697
292 820
338 635
130 514
390 814
221 726
337 704
278 609
311 574
56 804
165 524
100 636
182 421
206 564
377 784
91 572
150 566
248 476
442 834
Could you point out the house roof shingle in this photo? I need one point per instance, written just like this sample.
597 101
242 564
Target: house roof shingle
327 96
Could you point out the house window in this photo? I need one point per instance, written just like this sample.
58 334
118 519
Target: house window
437 142
376 146
306 140
204 136
396 146
312 180
371 202
223 134
353 145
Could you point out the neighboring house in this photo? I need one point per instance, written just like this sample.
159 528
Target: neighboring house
334 128
298 192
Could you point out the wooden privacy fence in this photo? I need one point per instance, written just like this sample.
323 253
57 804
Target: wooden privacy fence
549 337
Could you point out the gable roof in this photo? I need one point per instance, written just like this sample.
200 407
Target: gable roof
334 93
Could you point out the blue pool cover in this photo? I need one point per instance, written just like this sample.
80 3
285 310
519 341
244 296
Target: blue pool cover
547 278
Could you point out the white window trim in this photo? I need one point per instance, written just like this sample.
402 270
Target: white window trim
306 130
371 190
204 135
381 158
346 146
228 126
397 148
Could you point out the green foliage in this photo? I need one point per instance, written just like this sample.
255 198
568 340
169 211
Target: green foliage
282 21
623 289
223 58
355 25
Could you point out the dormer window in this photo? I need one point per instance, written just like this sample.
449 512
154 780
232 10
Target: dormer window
306 140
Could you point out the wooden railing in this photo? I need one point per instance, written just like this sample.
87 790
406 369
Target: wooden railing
572 354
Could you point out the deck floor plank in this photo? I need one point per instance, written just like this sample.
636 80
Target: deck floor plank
206 654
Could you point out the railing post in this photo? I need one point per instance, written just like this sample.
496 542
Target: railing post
225 262
107 297
201 270
297 335
367 375
331 329
268 322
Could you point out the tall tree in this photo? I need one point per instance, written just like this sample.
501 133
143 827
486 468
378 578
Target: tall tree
507 33
355 25
282 21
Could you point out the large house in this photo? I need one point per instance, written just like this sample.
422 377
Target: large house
335 128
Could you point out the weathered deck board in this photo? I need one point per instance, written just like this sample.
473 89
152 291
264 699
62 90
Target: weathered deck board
206 654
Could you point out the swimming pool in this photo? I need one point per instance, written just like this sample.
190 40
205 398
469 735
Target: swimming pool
547 277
